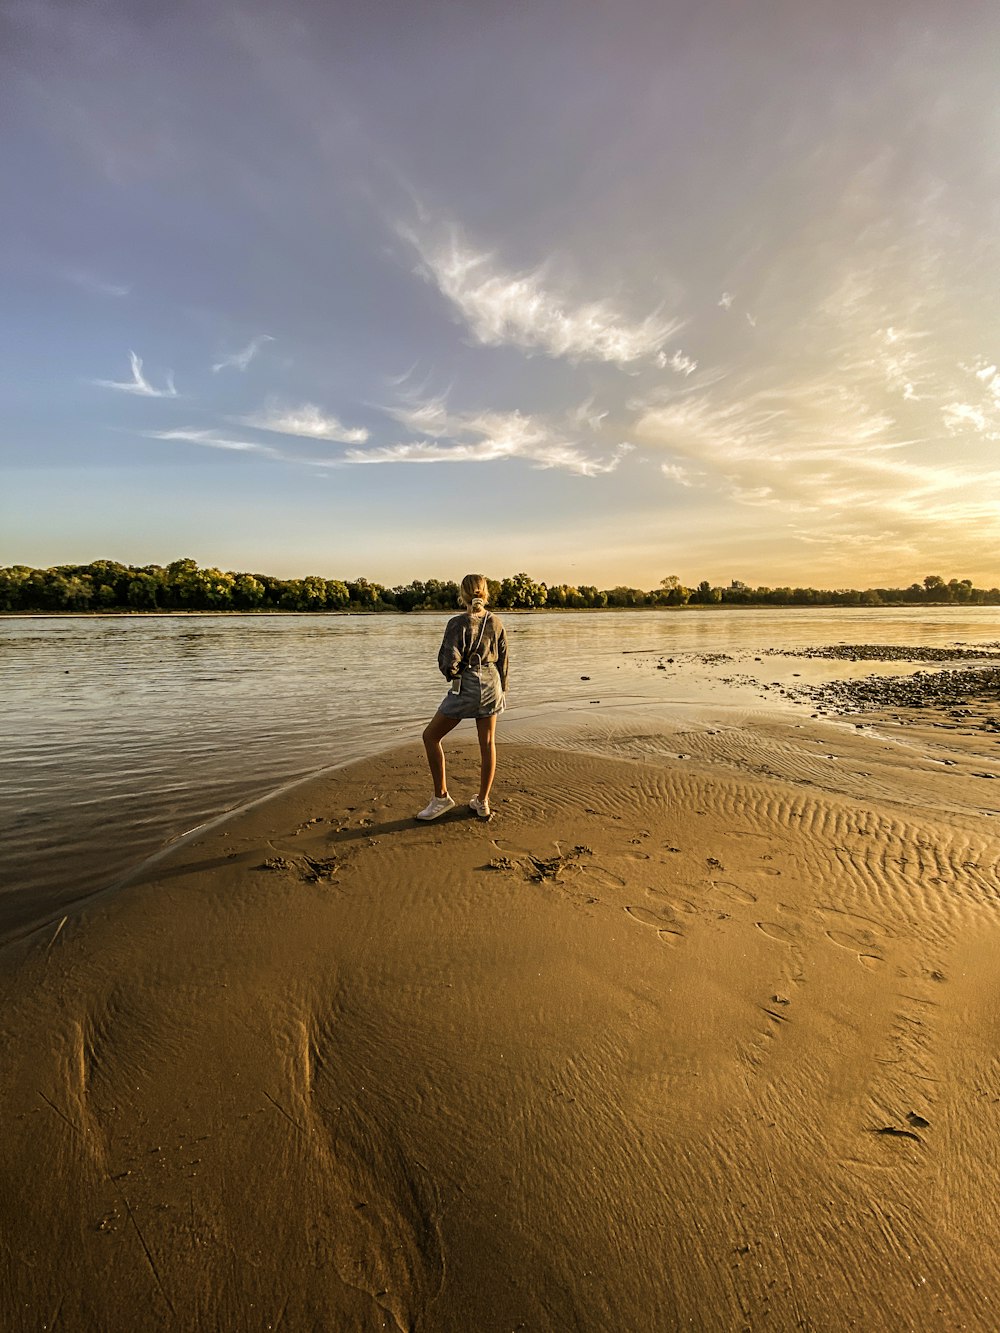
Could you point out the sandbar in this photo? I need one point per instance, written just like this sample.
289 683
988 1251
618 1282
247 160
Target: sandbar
669 1043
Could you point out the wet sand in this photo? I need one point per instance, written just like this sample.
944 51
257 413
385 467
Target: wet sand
700 1042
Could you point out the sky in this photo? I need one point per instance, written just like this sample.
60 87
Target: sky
603 292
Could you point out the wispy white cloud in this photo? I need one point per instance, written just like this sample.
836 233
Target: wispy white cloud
504 308
138 384
398 381
486 437
423 417
587 415
676 473
679 361
902 356
461 437
817 448
240 360
975 406
546 441
307 421
960 416
211 440
95 285
851 425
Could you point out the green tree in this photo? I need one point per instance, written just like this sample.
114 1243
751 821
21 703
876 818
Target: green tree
206 589
13 584
622 596
960 590
248 592
313 593
184 584
673 592
364 595
110 574
409 596
292 596
521 593
337 596
592 596
142 591
705 594
936 588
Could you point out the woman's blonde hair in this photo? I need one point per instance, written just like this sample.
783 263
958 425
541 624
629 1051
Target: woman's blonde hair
475 593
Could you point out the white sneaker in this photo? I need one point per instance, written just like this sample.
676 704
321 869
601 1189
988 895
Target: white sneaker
482 808
438 806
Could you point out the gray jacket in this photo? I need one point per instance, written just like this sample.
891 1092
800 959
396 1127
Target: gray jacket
461 635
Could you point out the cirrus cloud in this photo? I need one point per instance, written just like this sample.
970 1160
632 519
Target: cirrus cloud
307 421
138 384
486 437
505 308
210 439
241 359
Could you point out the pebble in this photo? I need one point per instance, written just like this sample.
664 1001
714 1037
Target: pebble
952 690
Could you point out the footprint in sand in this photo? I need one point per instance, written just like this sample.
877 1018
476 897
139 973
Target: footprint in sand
648 917
774 931
674 904
859 945
734 892
866 927
660 922
856 941
606 877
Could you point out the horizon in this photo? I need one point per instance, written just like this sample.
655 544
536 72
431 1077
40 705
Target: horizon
928 581
601 294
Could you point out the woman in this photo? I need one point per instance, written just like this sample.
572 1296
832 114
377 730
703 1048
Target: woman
473 656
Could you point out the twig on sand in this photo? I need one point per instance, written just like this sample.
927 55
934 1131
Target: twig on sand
55 935
291 1119
61 1114
152 1263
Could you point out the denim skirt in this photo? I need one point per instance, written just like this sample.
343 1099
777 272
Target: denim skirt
480 694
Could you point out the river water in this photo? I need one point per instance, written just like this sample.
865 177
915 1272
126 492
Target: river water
121 733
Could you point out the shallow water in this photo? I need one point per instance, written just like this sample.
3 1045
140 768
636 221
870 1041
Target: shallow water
122 732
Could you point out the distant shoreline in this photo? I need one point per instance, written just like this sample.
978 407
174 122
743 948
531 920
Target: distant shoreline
106 587
696 607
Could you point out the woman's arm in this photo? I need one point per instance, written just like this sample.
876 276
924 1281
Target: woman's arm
450 652
502 660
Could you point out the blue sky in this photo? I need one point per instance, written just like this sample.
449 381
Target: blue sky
600 292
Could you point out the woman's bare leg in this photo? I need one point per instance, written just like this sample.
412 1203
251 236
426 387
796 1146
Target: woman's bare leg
437 728
486 727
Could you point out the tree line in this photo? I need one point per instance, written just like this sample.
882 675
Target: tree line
106 585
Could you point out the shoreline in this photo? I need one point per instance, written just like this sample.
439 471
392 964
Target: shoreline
918 712
935 698
662 1037
712 607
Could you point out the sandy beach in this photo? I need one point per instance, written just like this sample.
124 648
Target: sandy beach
700 1043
